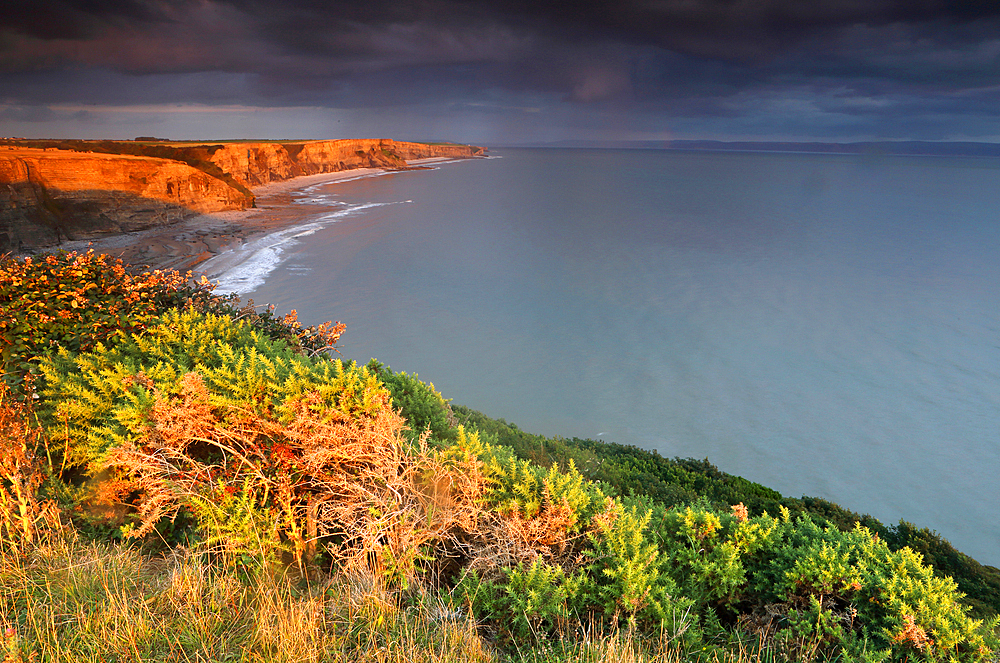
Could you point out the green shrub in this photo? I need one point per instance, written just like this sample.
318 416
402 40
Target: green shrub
74 301
271 451
527 490
423 406
980 584
527 603
705 551
849 592
628 570
630 471
97 400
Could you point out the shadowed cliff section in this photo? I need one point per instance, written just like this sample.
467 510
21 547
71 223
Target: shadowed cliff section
47 196
51 190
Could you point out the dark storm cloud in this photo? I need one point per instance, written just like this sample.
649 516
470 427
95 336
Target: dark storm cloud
27 114
729 30
688 58
69 19
380 33
748 29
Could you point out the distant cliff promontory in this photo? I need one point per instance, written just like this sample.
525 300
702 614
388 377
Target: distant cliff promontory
51 191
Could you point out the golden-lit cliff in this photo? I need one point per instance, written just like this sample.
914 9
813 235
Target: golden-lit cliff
48 194
254 164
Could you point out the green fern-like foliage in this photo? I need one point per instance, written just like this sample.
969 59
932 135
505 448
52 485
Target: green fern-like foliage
527 489
531 601
628 568
97 400
423 406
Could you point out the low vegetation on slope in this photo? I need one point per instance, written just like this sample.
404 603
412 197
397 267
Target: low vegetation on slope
185 479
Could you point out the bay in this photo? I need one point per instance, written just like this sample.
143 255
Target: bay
826 325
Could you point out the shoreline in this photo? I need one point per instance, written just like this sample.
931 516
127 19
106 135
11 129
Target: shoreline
202 241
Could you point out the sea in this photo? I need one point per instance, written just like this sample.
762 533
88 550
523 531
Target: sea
826 325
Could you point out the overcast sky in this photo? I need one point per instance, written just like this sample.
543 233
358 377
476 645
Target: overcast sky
502 71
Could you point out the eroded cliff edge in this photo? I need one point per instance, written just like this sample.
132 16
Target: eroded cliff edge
49 194
254 164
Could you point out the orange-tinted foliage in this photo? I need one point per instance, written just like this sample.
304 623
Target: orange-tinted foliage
20 474
351 482
313 339
76 300
327 476
912 634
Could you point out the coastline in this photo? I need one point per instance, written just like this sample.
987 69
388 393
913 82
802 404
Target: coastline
203 243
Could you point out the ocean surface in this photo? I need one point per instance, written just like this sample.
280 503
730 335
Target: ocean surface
827 325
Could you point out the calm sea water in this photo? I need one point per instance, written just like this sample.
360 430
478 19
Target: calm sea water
826 325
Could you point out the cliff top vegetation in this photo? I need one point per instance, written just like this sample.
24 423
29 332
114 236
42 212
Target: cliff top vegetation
236 490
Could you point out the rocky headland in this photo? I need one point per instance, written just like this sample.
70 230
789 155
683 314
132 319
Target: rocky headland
51 195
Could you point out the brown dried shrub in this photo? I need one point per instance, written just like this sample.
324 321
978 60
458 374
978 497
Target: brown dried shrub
319 476
912 635
377 504
508 538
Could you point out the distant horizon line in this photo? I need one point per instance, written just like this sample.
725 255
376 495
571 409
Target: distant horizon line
870 147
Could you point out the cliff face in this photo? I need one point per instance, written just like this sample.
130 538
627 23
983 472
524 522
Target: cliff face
254 164
48 196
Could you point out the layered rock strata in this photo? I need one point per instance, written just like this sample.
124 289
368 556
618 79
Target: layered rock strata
255 164
47 195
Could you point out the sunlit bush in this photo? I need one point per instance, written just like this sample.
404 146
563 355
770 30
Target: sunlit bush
75 300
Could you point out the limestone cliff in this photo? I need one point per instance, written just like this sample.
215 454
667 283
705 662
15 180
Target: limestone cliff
47 195
255 164
50 195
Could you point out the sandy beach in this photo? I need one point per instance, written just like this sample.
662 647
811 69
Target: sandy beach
191 244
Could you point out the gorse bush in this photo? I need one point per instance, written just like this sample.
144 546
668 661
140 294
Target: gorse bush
812 592
802 592
533 513
629 471
528 601
704 550
205 412
423 406
627 570
101 399
880 599
526 489
74 301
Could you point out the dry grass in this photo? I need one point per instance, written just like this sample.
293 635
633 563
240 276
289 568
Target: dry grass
73 601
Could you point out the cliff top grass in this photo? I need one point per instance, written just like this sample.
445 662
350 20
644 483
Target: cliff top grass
85 145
